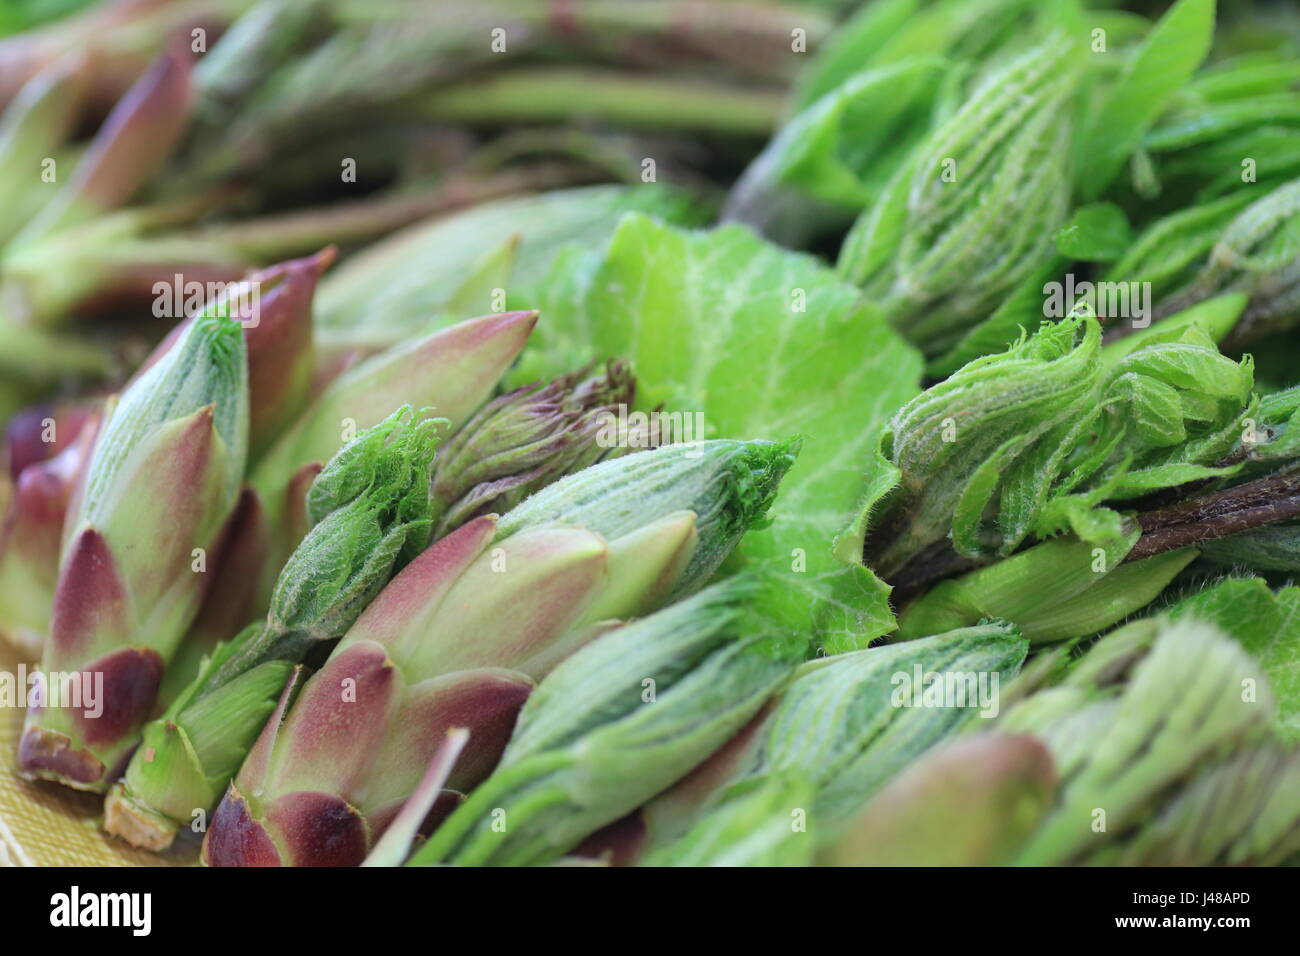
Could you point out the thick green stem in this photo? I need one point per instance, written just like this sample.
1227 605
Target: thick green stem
551 95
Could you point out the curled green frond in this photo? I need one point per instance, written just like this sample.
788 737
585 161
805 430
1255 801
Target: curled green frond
1037 440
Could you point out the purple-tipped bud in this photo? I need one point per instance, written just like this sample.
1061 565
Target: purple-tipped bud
280 355
274 308
230 601
456 640
337 725
162 481
522 441
128 149
30 542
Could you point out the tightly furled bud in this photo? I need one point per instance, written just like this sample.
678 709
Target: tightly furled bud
370 508
187 757
274 307
970 803
762 824
166 470
1243 810
522 441
278 340
848 723
616 723
728 484
971 213
984 420
1037 440
1179 705
280 353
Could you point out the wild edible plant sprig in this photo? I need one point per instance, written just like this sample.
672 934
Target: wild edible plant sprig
1033 441
971 212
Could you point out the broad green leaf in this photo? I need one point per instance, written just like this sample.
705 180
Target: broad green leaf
763 343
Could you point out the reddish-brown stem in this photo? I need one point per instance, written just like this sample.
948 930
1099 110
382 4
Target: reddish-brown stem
1217 515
